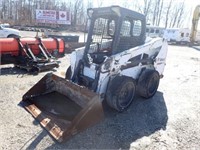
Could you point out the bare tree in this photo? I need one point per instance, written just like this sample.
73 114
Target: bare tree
155 11
89 4
147 6
125 4
99 3
167 14
78 7
136 6
181 14
159 13
177 14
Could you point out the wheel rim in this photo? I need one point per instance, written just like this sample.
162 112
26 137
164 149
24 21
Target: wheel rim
126 95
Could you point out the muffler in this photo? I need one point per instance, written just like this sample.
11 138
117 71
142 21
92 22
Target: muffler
63 108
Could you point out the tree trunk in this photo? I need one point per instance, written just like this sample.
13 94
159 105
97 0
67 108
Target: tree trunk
167 14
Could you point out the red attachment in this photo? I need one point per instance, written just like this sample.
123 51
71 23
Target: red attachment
11 45
51 44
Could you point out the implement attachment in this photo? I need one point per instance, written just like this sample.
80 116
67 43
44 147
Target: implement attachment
62 107
32 62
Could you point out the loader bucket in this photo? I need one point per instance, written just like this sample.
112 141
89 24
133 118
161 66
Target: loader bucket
63 108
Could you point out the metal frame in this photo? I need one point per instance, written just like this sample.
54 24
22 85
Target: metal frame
31 62
107 12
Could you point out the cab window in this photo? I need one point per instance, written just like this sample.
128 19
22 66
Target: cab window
126 28
157 31
137 27
152 31
182 34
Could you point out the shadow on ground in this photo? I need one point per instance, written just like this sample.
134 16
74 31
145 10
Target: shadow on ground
19 72
12 71
196 47
117 130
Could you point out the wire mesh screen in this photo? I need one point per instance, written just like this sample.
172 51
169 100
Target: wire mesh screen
102 33
129 34
126 28
99 30
137 27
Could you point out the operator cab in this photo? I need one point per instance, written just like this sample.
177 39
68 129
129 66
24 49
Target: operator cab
113 30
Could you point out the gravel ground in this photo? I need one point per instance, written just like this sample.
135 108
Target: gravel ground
169 120
29 34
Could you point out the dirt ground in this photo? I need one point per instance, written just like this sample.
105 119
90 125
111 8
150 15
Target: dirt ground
169 120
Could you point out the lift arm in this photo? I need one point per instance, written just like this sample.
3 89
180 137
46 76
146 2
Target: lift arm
195 20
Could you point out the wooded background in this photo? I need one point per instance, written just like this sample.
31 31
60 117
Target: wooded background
164 13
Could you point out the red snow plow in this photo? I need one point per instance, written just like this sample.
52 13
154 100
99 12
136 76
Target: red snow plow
32 54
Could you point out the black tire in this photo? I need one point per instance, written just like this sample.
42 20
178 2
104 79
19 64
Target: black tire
68 73
120 93
13 36
148 83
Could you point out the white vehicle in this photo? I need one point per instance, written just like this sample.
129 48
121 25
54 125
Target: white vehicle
197 37
7 32
119 60
153 31
115 61
177 35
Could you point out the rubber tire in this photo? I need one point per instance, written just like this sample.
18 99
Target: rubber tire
148 83
13 36
68 73
114 97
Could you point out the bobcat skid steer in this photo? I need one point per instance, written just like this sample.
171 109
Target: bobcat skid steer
116 63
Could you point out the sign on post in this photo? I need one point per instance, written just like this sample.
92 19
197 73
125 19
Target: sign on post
53 17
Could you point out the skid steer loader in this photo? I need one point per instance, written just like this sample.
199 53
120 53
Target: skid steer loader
116 63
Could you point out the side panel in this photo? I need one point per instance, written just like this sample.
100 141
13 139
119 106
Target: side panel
75 57
130 63
103 82
89 72
160 60
142 57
